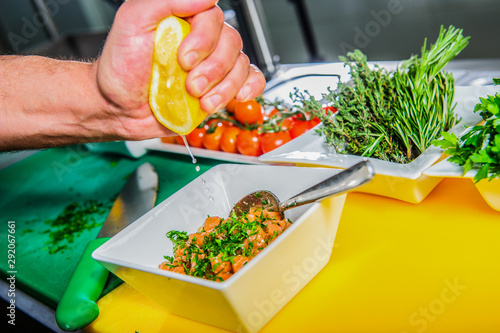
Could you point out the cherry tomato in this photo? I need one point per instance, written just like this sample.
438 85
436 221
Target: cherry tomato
313 122
270 141
249 112
299 127
195 138
211 140
228 139
179 140
226 123
286 123
168 139
218 122
247 143
213 121
330 109
231 106
273 112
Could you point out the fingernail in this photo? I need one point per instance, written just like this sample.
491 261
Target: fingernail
244 93
190 59
200 84
213 102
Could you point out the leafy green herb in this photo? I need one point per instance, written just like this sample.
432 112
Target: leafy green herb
74 219
233 237
361 125
425 93
392 116
177 237
480 146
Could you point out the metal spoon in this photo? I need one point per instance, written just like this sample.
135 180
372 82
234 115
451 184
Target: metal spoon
344 181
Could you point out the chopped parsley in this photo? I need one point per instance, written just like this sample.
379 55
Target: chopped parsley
74 219
220 249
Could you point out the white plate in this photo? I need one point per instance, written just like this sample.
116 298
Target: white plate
157 145
315 79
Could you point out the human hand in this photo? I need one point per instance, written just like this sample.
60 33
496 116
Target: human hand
217 69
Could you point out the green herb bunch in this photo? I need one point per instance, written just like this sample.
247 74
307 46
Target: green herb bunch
362 125
425 93
480 146
392 116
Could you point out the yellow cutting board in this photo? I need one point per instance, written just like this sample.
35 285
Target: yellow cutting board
395 267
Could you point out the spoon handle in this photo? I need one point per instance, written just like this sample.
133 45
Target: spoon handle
343 181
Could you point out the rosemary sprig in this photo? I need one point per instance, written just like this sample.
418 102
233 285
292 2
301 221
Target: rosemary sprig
423 107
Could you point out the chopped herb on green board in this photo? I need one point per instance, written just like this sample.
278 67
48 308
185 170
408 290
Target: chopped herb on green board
74 219
480 146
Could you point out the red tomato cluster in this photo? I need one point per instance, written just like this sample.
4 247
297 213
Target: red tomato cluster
246 129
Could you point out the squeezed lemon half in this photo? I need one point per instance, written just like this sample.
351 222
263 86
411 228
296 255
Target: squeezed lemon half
169 100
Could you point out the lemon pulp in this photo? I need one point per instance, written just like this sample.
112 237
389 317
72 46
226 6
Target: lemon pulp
169 100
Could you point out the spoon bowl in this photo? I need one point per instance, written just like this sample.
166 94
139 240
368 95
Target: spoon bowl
346 180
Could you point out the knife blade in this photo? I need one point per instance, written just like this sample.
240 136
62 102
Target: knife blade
77 307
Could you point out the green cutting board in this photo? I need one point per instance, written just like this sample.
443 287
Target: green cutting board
38 188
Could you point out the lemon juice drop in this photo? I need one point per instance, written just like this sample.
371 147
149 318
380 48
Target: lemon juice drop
190 152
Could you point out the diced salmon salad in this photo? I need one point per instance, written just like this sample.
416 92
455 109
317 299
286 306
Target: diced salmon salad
222 247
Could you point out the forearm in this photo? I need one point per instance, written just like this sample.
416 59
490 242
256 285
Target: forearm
46 102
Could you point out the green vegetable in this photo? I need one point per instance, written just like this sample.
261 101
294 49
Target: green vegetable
364 116
480 146
74 219
228 240
177 237
392 116
425 93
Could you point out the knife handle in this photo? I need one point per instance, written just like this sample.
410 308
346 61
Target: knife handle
77 307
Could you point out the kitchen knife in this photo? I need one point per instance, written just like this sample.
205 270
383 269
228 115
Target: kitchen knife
77 307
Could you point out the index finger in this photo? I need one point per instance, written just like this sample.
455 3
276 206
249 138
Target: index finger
206 28
153 11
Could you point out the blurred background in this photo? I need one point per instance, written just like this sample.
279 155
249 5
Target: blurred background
58 28
274 31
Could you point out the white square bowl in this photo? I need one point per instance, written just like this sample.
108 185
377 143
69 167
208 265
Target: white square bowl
405 182
250 298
